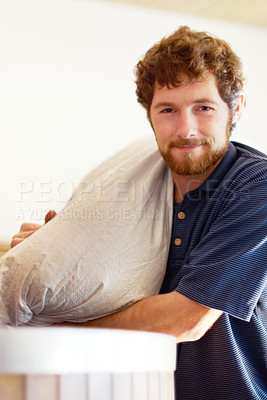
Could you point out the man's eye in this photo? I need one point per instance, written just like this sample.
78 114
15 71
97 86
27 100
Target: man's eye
205 108
167 110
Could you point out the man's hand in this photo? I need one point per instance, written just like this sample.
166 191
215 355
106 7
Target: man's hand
27 229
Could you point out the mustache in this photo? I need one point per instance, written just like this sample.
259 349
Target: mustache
188 142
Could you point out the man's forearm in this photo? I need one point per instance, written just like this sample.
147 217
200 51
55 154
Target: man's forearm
170 313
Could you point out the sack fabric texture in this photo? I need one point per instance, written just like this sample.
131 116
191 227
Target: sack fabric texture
105 250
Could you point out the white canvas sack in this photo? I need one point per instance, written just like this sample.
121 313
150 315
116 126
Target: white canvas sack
105 250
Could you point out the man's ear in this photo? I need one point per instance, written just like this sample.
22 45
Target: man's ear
239 107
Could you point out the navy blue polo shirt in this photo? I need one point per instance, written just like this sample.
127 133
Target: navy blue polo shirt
218 257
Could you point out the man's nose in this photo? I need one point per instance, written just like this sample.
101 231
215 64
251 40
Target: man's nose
186 126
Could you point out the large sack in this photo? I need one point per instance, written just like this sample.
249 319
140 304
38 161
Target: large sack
105 250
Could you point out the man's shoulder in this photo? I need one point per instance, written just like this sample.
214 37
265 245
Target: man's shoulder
246 151
249 168
250 162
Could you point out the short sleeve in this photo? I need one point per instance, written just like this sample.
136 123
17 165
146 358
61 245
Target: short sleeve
227 270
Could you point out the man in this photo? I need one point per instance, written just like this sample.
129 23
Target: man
214 295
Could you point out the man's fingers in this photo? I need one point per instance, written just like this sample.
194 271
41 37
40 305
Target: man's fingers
28 226
15 241
19 237
24 235
51 214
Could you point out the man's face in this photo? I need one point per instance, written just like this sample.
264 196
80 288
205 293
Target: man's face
192 125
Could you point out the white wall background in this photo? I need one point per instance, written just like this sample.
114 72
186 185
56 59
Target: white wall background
67 94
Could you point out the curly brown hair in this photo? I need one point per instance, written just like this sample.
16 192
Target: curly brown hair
190 53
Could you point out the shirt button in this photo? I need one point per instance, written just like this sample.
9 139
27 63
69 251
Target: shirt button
181 215
178 241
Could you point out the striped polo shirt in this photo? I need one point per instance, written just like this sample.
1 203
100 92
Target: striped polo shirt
218 257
